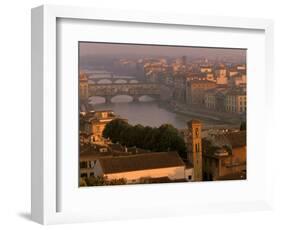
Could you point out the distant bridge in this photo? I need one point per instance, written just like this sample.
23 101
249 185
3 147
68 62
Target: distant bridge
135 90
113 80
101 72
108 91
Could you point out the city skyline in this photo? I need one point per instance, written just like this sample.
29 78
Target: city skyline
146 50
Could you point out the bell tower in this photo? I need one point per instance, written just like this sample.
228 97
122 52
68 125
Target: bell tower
194 147
83 89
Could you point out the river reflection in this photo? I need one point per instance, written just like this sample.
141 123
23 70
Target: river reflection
146 112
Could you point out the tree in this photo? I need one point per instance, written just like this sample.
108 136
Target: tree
101 180
120 181
138 135
114 128
150 137
165 138
95 181
82 182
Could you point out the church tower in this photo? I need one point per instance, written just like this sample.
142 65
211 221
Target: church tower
194 148
83 89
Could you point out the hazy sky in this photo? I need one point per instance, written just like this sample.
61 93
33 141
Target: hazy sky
94 49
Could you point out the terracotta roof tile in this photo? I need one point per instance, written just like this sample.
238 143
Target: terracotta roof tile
141 162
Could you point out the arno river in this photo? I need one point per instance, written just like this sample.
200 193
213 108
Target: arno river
146 112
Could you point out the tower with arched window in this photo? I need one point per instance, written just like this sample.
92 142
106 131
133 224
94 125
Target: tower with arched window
194 148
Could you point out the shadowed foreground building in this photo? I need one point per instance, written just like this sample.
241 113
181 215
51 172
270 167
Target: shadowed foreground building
227 162
225 159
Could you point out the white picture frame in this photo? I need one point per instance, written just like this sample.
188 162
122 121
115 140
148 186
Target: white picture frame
45 164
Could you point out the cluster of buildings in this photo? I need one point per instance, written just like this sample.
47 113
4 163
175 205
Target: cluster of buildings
215 86
92 125
209 85
99 157
222 158
228 159
146 167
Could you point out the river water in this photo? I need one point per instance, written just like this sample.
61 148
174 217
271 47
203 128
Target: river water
147 111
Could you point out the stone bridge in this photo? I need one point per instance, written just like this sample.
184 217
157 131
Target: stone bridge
97 77
108 91
117 80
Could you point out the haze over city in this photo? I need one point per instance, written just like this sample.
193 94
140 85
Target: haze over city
161 114
123 50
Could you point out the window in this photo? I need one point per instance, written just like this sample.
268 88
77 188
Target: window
197 148
83 164
189 177
196 132
92 164
84 175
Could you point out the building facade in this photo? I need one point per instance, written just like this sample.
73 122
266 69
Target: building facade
195 91
236 101
215 99
95 123
221 75
228 161
142 167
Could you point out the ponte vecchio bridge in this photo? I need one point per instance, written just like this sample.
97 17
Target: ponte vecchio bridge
108 91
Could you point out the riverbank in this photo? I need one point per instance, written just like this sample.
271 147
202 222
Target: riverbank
232 120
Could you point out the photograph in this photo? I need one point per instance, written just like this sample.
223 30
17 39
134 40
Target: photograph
154 113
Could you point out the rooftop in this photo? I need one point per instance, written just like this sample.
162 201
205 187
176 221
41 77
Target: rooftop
234 176
235 139
196 81
237 92
138 162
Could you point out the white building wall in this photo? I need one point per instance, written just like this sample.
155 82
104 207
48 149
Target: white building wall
189 174
173 173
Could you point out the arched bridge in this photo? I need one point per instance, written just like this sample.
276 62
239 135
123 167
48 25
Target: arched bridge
119 80
102 76
135 90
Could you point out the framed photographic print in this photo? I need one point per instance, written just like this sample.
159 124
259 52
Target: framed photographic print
137 114
161 114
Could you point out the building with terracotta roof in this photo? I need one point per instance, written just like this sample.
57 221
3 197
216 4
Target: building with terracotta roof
221 75
195 90
140 167
227 159
232 72
237 80
236 101
215 98
206 69
95 122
